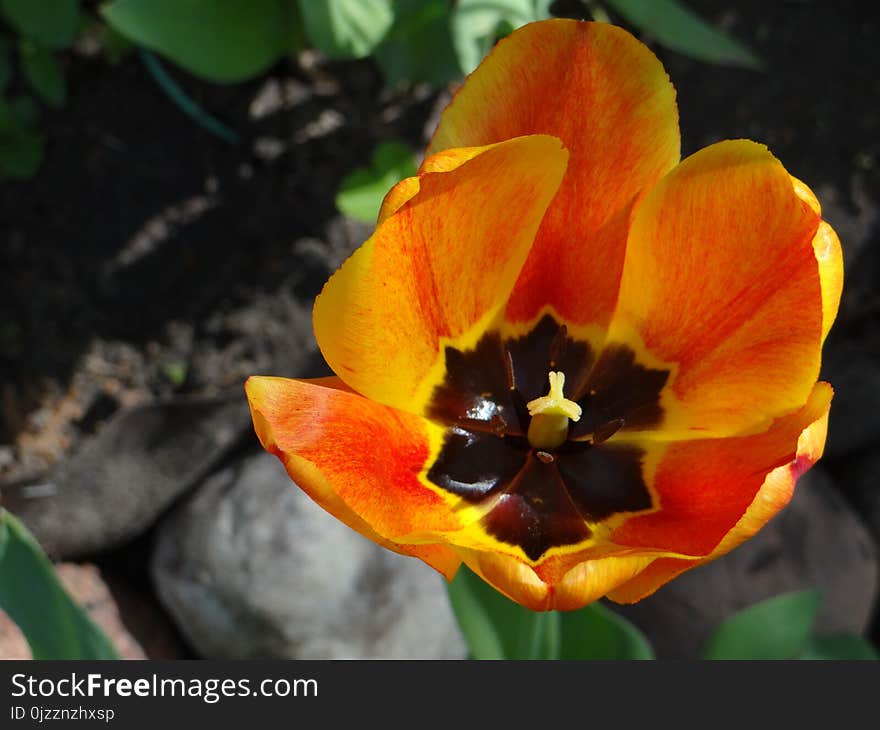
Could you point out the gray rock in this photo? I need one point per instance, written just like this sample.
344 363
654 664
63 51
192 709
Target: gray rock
815 542
250 567
118 483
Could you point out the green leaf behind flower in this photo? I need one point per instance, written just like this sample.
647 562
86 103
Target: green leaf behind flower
777 628
597 632
362 191
346 28
43 72
419 45
677 27
495 627
477 24
219 40
55 627
841 646
52 22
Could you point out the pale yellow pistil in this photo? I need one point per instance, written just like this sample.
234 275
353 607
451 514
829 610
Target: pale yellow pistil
550 415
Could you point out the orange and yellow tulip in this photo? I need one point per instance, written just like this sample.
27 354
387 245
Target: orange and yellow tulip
566 357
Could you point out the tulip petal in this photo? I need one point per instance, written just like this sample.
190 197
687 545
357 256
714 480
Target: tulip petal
357 459
721 283
406 189
774 494
543 588
441 267
705 487
608 98
829 254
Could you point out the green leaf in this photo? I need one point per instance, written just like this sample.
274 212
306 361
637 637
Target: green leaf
842 646
21 155
362 190
679 28
597 632
30 592
4 539
495 627
54 23
419 46
296 32
114 45
477 621
5 73
346 28
476 24
43 72
5 63
778 628
219 40
24 111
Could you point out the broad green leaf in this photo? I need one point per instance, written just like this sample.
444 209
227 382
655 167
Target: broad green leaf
346 28
4 538
115 45
55 627
9 123
296 32
475 617
842 646
220 40
419 46
21 155
5 73
679 28
476 24
5 63
43 72
52 22
362 190
778 628
495 627
24 111
597 632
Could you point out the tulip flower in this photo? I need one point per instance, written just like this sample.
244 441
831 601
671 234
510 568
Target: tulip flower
566 357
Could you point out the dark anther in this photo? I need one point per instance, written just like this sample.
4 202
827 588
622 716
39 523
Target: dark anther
544 457
607 430
558 346
519 401
508 369
521 408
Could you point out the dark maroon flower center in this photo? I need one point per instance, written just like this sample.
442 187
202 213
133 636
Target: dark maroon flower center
544 498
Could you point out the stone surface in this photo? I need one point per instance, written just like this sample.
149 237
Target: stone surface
815 542
117 484
250 567
86 586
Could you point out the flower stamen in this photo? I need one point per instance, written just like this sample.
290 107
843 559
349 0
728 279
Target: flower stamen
550 415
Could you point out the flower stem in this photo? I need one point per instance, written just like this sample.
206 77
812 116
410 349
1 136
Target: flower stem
173 91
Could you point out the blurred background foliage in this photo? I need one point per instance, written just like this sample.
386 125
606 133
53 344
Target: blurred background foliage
233 41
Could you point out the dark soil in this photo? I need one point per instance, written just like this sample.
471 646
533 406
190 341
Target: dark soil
128 264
